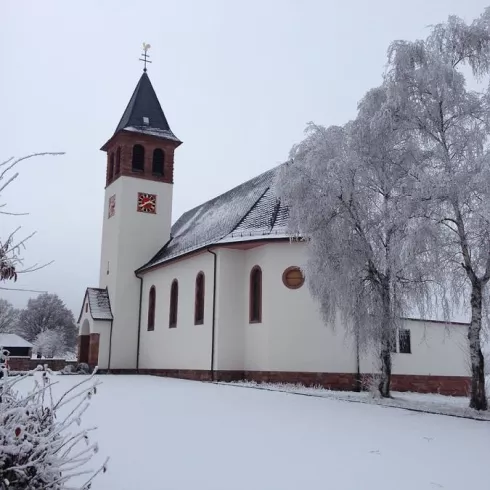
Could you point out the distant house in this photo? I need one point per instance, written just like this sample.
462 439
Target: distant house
16 345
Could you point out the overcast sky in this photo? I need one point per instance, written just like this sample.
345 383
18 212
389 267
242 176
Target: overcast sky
238 81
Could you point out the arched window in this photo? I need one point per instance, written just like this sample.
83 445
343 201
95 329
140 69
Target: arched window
174 302
151 308
111 167
118 160
199 300
158 161
138 158
256 295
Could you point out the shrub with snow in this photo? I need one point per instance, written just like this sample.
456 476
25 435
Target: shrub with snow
40 449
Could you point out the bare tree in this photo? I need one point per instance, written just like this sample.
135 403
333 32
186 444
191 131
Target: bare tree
46 313
11 263
350 193
452 124
8 317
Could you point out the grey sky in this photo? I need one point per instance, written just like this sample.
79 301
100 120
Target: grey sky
238 81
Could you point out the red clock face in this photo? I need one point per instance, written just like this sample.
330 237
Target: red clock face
112 205
147 203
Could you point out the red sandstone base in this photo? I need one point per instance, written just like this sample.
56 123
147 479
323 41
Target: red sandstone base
445 385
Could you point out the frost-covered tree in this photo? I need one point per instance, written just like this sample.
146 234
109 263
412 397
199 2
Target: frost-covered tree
452 125
8 317
50 343
350 193
48 312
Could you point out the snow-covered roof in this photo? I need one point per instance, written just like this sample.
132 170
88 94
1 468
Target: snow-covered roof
250 211
13 340
160 133
99 304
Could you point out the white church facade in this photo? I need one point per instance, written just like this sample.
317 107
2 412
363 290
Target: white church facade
220 293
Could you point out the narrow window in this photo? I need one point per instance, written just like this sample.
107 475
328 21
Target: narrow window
151 308
118 160
405 342
158 161
111 167
199 300
138 158
256 295
174 300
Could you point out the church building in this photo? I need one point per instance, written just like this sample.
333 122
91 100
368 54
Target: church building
220 294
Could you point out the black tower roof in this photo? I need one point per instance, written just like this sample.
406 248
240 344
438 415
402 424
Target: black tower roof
144 113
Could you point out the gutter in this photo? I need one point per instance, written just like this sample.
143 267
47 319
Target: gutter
110 335
213 327
139 323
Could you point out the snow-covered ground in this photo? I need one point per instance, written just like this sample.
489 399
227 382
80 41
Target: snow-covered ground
169 434
456 406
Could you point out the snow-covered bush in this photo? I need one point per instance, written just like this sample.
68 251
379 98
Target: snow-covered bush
50 343
40 449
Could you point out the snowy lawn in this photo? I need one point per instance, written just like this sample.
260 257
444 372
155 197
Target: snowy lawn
456 406
169 434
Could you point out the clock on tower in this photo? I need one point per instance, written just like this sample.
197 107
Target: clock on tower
147 203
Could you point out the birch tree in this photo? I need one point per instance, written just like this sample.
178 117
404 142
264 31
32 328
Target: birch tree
349 191
451 124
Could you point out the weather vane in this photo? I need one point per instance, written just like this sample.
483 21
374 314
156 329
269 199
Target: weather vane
145 55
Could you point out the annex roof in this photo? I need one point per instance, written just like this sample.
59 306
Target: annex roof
99 304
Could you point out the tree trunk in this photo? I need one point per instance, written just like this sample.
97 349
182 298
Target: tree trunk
358 379
478 398
385 354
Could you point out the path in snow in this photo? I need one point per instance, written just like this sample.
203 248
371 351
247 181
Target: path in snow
169 434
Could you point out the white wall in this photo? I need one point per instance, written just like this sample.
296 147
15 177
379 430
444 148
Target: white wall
187 346
129 240
230 310
437 350
292 335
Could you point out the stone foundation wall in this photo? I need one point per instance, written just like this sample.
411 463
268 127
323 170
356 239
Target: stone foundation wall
445 385
27 364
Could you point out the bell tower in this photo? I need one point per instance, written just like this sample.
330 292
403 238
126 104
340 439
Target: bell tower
137 210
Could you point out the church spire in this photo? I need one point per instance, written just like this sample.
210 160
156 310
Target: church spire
144 113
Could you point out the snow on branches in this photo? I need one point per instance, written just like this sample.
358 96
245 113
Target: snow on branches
395 205
40 449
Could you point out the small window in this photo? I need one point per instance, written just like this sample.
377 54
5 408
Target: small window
293 278
256 295
111 167
138 158
199 300
174 301
405 342
151 308
158 161
146 121
118 160
86 307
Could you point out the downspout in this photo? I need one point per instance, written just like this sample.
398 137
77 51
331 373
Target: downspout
110 349
213 327
110 335
139 323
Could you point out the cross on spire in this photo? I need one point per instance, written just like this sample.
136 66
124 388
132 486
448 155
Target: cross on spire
145 55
